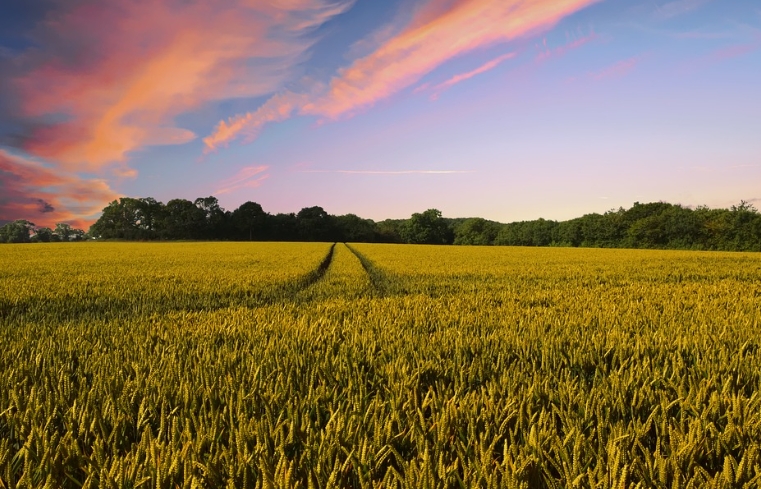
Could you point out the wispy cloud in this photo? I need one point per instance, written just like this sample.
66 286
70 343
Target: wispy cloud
677 8
703 35
246 177
489 65
440 31
618 69
45 195
722 54
547 53
110 77
390 172
733 51
278 108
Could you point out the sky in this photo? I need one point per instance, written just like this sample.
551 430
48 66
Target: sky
504 109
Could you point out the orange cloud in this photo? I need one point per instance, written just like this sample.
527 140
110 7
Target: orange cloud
278 108
247 177
48 196
439 31
436 36
114 75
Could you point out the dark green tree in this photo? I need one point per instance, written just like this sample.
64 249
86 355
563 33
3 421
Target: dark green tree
183 219
249 222
315 224
18 231
354 229
427 228
284 227
42 235
476 231
121 219
215 219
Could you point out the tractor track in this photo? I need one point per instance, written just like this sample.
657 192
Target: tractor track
378 279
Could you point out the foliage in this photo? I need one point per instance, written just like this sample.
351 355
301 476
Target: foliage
426 228
308 365
16 232
656 225
476 231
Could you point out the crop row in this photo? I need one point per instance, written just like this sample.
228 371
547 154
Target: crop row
400 366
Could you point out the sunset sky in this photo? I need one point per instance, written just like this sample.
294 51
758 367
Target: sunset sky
504 109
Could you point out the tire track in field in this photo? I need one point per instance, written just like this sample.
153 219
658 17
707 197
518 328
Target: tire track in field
380 281
68 310
315 275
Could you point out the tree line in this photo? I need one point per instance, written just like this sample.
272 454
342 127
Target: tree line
652 225
23 231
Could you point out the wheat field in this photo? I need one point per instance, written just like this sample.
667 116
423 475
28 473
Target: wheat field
330 365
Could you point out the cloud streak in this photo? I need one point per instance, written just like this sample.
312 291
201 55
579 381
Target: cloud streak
110 77
46 196
439 32
391 172
547 53
278 108
723 54
246 177
677 8
459 78
618 69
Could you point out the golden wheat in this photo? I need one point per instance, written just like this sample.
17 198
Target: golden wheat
301 365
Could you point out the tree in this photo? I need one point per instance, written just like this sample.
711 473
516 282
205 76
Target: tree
389 231
183 220
284 227
121 219
148 215
569 233
314 224
427 228
476 231
746 226
214 217
249 221
64 231
354 229
18 231
43 235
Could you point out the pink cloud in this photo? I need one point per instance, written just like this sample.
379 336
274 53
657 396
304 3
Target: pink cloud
733 51
278 108
246 177
617 69
547 53
723 54
439 31
489 65
115 74
47 196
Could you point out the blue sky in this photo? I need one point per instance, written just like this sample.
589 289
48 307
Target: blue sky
505 109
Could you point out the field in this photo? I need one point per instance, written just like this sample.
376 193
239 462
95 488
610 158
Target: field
317 365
